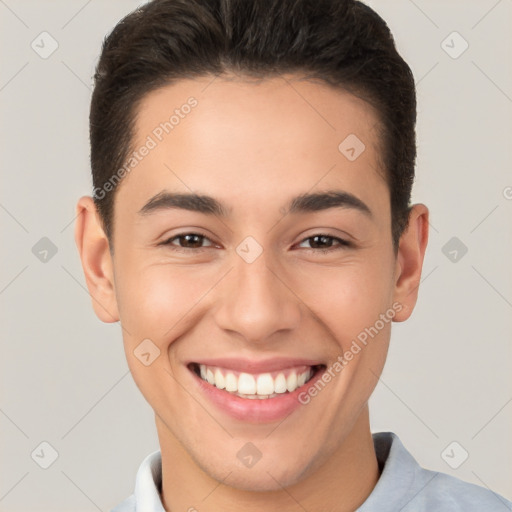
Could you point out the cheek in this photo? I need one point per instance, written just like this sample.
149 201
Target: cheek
349 298
154 300
157 303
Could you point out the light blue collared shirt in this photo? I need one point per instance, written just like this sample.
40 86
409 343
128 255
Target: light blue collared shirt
403 486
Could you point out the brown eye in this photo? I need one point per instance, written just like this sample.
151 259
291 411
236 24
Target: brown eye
188 241
325 243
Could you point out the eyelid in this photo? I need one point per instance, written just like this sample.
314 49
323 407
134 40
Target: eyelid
342 242
169 239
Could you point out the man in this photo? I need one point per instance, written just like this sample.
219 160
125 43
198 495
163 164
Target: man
251 230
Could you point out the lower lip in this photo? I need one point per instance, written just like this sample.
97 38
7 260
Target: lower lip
255 410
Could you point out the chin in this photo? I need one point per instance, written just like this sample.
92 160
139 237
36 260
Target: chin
260 480
264 476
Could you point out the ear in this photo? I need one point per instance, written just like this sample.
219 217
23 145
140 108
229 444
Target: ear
94 249
409 261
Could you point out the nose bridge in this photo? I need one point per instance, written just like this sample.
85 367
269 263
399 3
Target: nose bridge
257 303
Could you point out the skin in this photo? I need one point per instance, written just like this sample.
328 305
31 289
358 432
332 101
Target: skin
254 146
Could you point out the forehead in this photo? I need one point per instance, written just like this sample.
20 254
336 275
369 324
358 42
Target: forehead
304 107
252 138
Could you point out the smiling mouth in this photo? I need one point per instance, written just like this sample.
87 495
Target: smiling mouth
256 385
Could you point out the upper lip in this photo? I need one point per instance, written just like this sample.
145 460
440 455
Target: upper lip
256 366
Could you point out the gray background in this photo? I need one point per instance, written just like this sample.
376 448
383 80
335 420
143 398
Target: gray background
64 377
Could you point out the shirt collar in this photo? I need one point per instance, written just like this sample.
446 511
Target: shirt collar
148 484
399 473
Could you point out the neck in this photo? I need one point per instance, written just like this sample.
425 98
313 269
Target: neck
342 483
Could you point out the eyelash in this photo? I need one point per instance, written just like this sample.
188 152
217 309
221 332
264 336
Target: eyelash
342 244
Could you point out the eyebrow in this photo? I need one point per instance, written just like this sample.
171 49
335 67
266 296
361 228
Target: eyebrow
210 206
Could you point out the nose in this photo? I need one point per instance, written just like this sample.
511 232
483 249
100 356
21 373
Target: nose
257 302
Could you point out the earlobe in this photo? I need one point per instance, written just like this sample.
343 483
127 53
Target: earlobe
94 250
409 264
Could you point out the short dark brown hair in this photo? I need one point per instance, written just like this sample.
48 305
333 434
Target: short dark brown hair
343 43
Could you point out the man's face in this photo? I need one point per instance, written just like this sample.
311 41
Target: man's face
260 289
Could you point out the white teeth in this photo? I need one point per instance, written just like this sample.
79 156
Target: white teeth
280 384
219 379
291 382
250 386
209 376
231 382
246 384
301 379
265 384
